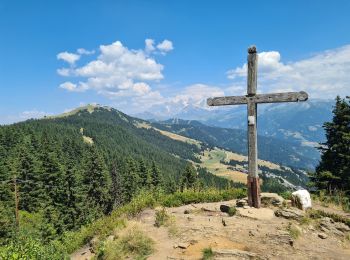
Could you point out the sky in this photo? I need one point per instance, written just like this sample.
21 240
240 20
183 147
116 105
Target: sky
161 56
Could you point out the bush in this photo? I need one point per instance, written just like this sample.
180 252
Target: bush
232 211
211 195
132 244
29 248
162 217
207 253
293 231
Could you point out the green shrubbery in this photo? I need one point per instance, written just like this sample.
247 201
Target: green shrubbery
211 195
208 253
132 244
70 241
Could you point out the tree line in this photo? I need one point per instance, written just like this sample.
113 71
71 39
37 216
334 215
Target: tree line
332 175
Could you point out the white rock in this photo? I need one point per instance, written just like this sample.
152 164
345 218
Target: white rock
301 199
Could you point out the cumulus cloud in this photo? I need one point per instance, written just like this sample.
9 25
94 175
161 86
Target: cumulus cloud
73 87
71 58
323 75
149 45
165 46
117 71
82 51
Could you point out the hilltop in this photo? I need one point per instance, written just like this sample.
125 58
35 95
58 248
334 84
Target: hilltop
202 231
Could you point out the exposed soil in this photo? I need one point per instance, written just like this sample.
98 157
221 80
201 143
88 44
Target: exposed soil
254 233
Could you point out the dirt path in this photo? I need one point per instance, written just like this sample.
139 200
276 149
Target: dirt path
258 231
251 234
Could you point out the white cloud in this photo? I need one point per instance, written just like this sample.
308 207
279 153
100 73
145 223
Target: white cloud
195 94
72 87
149 45
165 46
324 75
82 51
64 72
71 58
117 71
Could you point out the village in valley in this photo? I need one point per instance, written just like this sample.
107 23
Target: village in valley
175 130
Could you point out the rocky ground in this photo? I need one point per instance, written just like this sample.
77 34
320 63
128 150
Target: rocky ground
250 234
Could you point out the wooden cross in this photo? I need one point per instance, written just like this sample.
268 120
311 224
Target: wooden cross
252 99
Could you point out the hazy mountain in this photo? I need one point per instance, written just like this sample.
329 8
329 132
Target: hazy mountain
293 122
270 148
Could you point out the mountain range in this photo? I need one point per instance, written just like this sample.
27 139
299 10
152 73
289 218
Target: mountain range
299 123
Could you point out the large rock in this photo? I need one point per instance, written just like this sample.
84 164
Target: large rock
329 225
301 199
290 213
271 199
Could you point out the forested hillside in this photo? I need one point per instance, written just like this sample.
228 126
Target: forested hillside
271 149
72 169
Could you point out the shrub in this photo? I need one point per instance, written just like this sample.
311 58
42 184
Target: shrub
29 248
207 253
132 244
232 211
162 217
294 231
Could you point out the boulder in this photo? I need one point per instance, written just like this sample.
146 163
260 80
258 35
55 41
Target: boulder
183 245
225 208
241 203
301 199
329 225
290 213
271 199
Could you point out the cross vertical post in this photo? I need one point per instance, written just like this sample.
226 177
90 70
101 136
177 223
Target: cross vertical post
253 178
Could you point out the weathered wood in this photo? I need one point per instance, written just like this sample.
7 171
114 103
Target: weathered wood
224 101
281 97
258 98
253 186
252 140
253 180
252 70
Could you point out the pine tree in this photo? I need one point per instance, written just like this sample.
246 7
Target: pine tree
156 176
131 180
145 175
96 183
28 175
333 172
116 185
189 177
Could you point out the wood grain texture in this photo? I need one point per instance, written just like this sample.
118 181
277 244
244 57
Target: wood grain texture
259 98
252 71
252 142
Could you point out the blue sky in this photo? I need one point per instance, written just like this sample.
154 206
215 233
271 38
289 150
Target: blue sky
195 49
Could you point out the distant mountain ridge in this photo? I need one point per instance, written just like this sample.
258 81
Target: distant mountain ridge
271 149
294 122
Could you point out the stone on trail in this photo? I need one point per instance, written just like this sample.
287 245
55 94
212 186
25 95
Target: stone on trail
268 198
183 245
234 254
301 199
242 202
322 235
329 225
290 213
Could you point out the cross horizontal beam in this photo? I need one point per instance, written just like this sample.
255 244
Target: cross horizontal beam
258 98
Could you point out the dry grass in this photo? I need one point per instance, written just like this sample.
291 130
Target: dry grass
88 140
